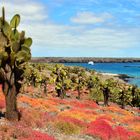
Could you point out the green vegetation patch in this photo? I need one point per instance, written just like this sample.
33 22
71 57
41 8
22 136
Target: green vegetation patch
67 128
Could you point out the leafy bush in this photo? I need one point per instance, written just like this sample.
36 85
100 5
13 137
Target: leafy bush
96 94
67 128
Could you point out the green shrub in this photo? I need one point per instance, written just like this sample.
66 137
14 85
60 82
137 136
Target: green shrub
67 128
96 94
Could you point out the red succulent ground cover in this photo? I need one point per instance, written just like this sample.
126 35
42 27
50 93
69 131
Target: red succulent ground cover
37 114
101 128
35 135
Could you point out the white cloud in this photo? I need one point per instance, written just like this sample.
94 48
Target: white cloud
29 11
90 18
60 36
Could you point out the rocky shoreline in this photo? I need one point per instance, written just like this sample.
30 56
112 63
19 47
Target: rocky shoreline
123 78
82 60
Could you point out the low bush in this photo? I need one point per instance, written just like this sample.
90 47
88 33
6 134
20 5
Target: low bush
96 95
67 128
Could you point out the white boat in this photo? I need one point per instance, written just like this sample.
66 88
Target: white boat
91 63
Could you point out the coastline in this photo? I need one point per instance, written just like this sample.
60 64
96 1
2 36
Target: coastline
82 60
109 74
123 78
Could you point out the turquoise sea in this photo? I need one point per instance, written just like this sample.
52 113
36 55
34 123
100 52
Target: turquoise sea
131 69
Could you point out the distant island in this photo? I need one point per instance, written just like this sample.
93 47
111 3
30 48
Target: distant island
82 60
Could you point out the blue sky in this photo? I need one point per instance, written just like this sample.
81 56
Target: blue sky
89 28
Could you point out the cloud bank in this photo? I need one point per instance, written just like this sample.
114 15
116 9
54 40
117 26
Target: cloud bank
90 18
87 33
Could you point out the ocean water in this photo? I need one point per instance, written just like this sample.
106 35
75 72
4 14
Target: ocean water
131 69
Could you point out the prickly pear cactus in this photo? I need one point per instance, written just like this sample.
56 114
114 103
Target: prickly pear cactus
14 53
61 80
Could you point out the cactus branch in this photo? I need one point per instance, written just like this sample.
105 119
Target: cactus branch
3 15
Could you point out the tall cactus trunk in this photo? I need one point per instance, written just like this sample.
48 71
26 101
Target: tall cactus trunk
78 89
62 93
10 92
79 93
58 91
45 87
122 100
106 96
11 104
